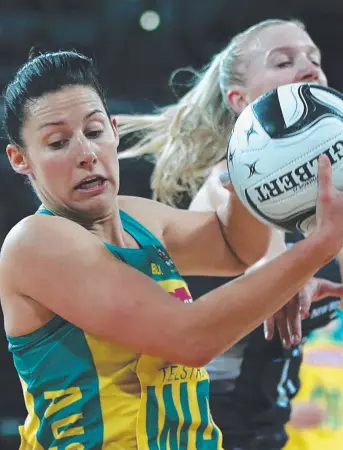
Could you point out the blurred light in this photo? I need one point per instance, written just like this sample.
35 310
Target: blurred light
150 20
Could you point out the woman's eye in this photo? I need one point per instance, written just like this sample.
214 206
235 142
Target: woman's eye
94 134
283 64
56 145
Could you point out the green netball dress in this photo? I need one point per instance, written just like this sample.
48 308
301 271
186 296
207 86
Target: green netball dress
85 393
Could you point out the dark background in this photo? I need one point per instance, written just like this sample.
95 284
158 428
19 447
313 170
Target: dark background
135 67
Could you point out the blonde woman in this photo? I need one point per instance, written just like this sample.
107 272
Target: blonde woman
253 382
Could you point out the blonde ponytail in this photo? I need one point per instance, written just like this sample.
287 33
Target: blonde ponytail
188 138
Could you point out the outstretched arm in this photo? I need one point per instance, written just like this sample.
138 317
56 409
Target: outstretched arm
68 271
61 266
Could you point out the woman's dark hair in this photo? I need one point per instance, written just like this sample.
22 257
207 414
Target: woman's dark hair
43 74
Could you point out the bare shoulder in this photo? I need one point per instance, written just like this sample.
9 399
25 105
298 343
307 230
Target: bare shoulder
40 230
39 236
153 215
25 248
211 194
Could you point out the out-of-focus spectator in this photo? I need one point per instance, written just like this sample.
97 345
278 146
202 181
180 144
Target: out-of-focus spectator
317 416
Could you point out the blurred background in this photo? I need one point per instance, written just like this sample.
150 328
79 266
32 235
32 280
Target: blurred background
137 45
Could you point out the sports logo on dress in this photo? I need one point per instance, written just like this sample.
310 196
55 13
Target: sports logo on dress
165 258
178 289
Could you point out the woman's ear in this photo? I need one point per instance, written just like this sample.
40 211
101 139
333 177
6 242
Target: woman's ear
17 159
236 98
